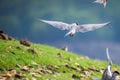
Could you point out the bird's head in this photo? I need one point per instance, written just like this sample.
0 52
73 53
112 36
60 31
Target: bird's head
116 72
74 24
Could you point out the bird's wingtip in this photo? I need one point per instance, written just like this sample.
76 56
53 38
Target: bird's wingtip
107 51
108 56
40 19
94 2
107 23
65 35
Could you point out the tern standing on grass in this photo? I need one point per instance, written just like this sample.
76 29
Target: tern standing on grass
107 72
74 27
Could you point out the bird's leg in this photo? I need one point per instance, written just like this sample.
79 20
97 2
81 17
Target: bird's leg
71 35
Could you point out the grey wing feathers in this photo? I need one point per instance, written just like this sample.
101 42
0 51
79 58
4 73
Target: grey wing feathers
90 27
104 76
57 24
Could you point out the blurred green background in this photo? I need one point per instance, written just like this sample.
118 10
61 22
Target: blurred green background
18 18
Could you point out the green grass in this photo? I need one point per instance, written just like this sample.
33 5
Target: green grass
46 64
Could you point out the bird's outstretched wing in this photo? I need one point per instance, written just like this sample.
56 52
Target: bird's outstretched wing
98 1
90 27
104 2
57 24
108 57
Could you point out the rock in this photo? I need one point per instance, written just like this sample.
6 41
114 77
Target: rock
46 71
59 55
7 75
25 42
12 72
86 72
19 47
1 37
1 31
31 50
11 38
24 68
19 75
76 76
4 36
93 69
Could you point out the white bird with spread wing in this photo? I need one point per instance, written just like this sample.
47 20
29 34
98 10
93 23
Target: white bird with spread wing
74 27
104 2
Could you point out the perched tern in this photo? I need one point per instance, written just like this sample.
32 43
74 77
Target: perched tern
107 72
74 27
104 2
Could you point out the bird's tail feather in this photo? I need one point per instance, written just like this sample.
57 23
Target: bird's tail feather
67 34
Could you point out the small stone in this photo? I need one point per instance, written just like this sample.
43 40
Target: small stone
31 50
59 55
25 42
46 71
75 76
24 68
19 47
86 72
8 75
10 38
19 75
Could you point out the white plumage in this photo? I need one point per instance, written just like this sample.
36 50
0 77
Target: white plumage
104 2
73 28
107 72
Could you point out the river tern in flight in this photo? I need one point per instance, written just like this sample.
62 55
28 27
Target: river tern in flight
74 27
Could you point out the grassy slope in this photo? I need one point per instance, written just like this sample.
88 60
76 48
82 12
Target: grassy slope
47 63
